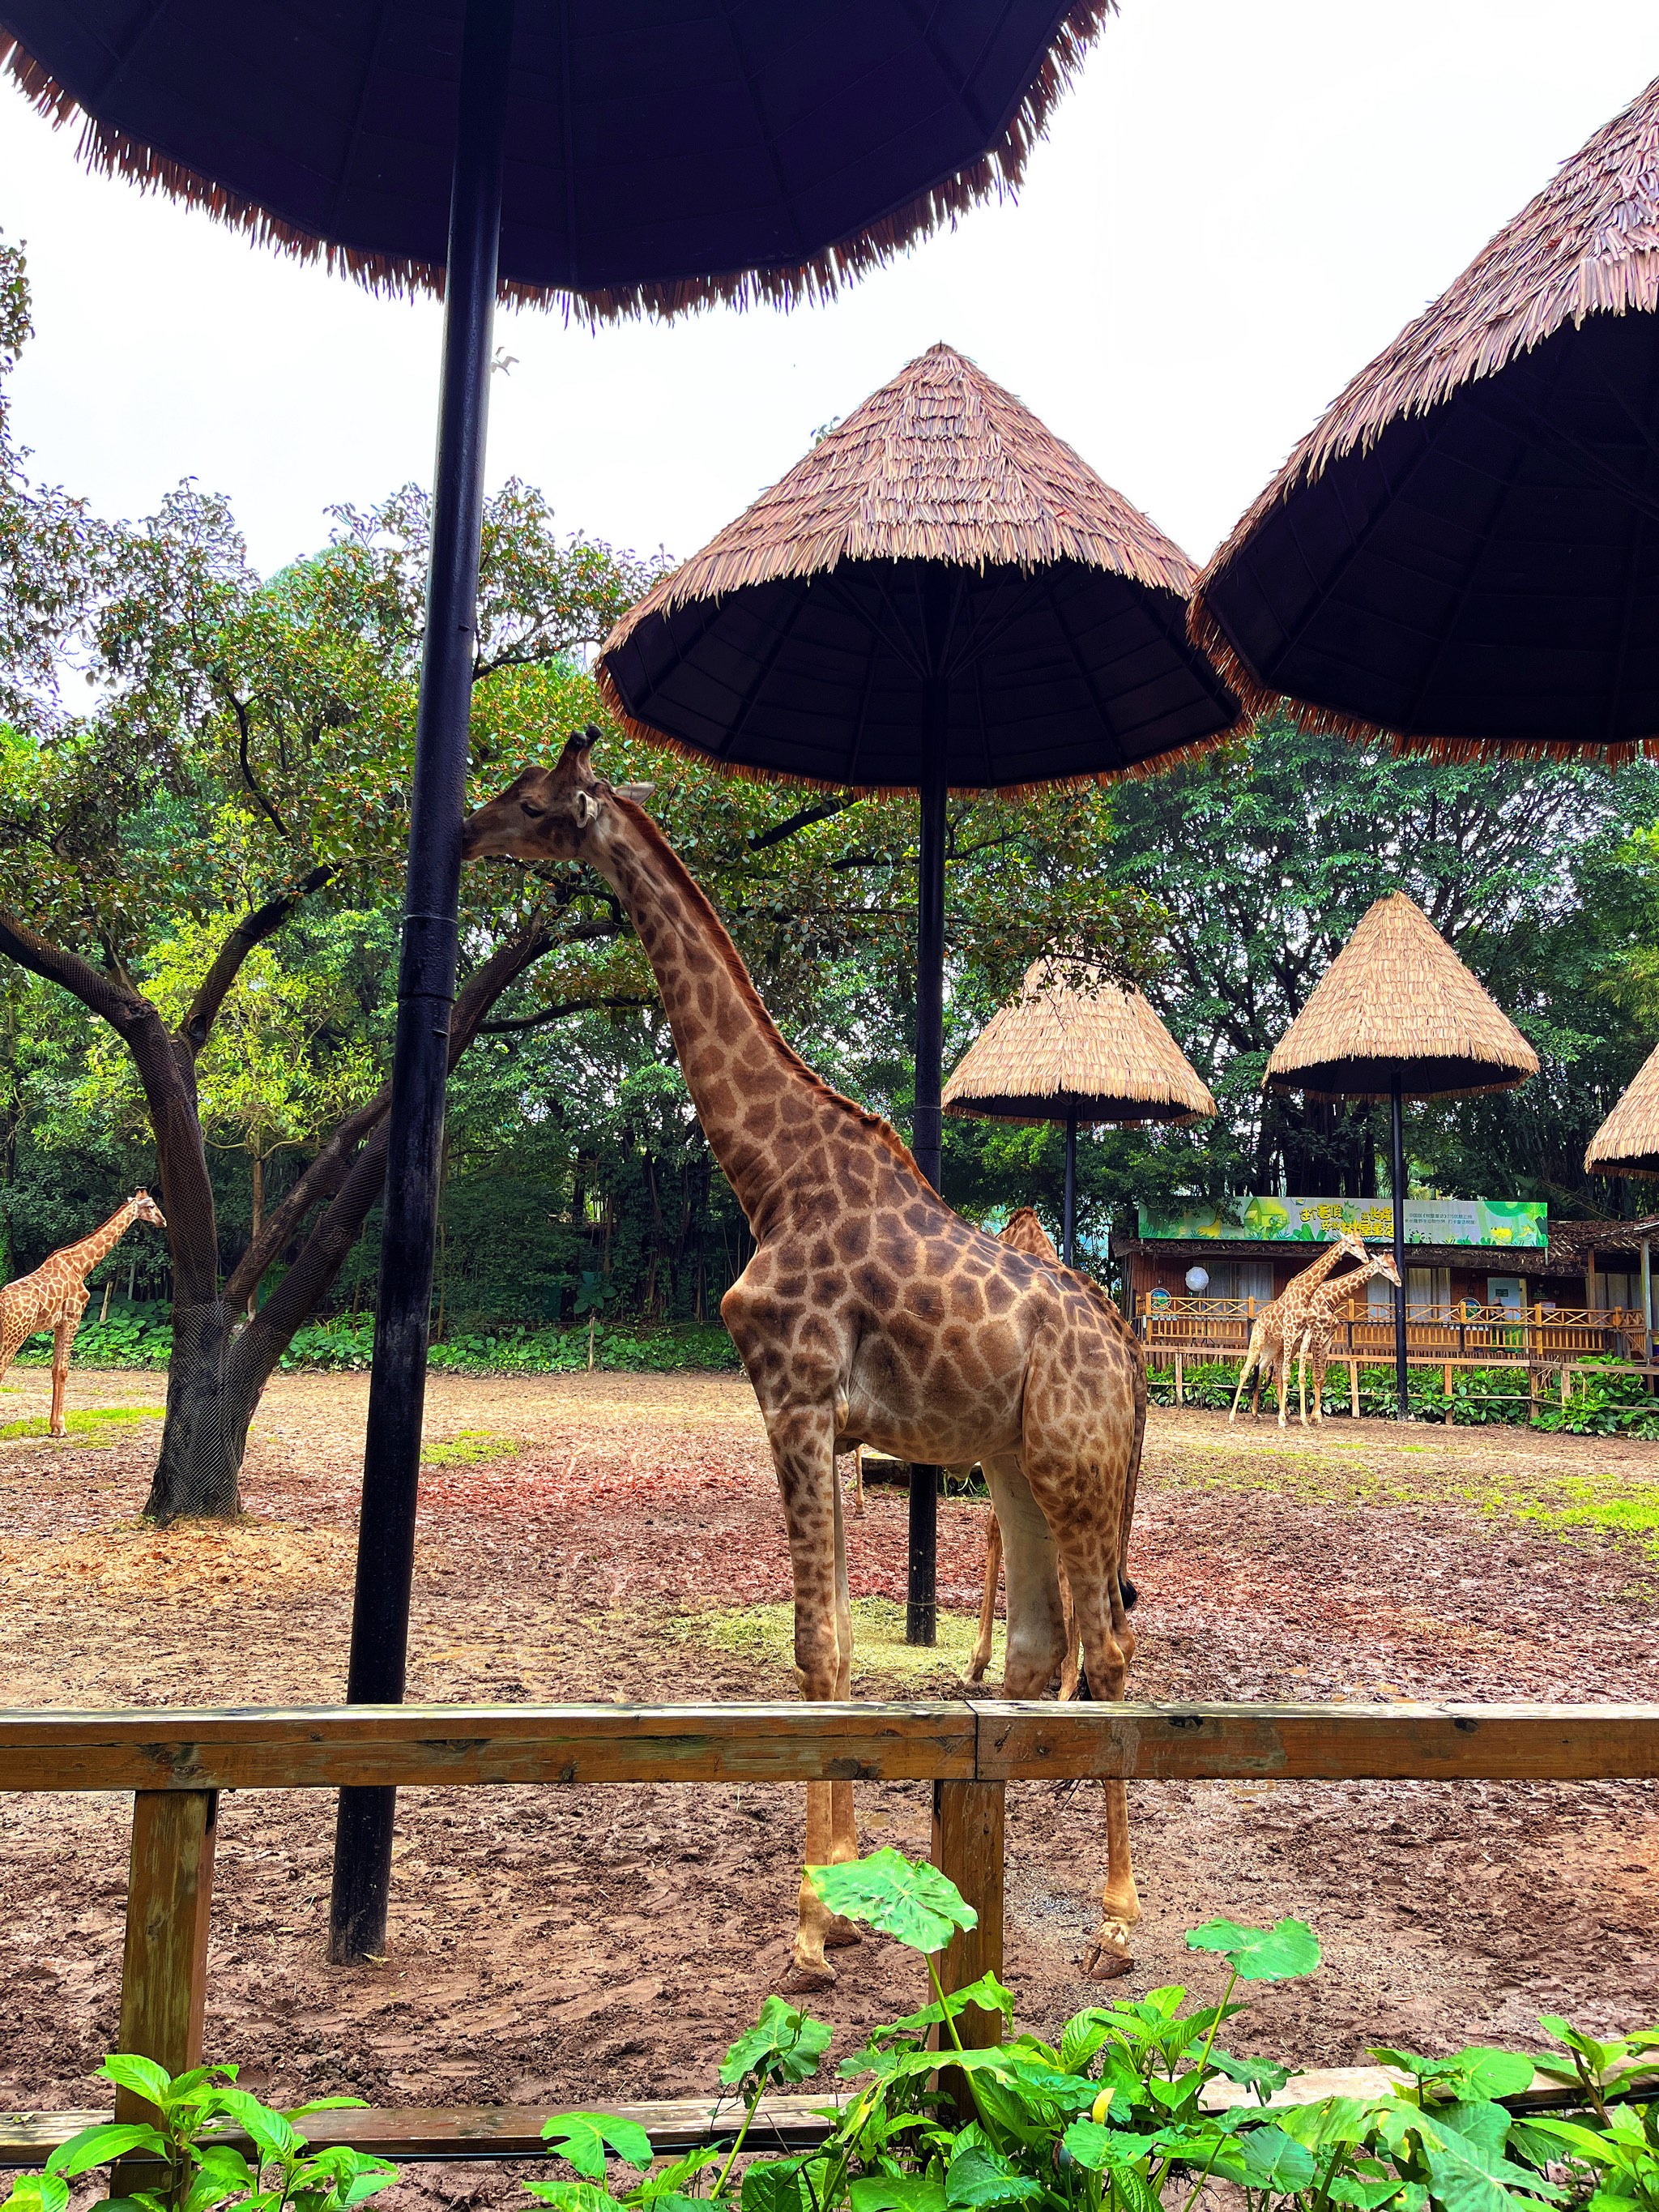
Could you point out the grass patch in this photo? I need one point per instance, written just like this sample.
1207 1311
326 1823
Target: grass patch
466 1447
97 1426
767 1633
1589 1505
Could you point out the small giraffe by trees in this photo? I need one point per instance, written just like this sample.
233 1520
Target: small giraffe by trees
55 1296
1322 1318
872 1313
1274 1336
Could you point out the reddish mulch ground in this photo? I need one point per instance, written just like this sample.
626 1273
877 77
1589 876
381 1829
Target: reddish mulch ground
570 1944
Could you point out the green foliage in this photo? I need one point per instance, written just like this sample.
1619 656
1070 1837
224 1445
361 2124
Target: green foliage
93 1426
199 2167
1112 2119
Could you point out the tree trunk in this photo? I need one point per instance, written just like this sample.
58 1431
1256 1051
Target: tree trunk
211 1401
258 1223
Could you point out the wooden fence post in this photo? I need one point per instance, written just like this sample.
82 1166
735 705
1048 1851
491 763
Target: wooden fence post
967 1846
1353 1387
1450 1408
1179 1378
164 1969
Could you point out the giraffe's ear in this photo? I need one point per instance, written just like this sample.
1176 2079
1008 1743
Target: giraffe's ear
639 793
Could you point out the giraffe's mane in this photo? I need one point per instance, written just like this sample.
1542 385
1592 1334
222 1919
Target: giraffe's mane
720 939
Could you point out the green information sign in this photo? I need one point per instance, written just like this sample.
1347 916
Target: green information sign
1506 1224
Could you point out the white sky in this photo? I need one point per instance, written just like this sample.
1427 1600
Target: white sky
1239 205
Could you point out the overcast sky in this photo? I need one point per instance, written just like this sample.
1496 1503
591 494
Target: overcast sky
1240 203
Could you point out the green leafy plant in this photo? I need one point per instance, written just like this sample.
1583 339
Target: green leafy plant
200 2166
1125 2112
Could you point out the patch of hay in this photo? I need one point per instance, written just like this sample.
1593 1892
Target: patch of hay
216 1562
768 1632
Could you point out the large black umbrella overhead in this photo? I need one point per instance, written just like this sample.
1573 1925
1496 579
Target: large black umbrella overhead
619 155
940 596
1464 553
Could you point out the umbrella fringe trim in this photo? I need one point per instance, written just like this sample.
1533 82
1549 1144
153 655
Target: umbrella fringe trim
997 173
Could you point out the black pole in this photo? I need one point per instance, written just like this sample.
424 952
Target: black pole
1397 1171
426 976
1070 1232
921 1595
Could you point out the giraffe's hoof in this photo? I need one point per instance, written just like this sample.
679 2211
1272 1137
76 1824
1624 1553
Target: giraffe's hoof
841 1935
1108 1954
799 1980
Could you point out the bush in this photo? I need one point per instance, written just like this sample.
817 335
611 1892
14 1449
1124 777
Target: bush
1607 1399
1110 2118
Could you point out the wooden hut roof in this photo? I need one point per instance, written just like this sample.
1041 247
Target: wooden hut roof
1398 996
1092 1049
657 159
1627 1142
1587 246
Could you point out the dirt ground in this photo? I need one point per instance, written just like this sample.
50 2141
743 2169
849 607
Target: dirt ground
576 1944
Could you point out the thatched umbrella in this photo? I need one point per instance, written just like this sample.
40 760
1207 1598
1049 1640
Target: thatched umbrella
1460 554
1627 1144
1396 1016
940 596
619 160
1075 1050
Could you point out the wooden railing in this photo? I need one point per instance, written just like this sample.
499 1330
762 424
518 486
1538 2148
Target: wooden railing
1535 1336
175 1763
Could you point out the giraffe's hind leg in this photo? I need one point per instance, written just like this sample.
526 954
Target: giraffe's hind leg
1078 1472
988 1607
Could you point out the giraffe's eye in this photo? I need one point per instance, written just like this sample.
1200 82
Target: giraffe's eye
533 811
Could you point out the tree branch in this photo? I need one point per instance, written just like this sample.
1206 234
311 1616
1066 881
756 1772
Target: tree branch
557 1013
338 1172
826 811
253 929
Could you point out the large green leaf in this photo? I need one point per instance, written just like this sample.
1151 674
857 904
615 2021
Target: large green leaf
782 2045
977 2176
38 2192
1099 2148
1272 2159
142 2075
906 1898
585 2138
896 2192
776 2186
98 2146
1279 1953
574 2195
1257 2074
272 2135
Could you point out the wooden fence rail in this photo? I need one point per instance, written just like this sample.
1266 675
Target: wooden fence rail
175 1763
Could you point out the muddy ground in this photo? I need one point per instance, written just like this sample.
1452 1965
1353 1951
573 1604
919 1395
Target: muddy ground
582 1943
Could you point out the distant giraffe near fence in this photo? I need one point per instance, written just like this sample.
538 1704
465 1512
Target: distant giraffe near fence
1276 1327
871 1313
55 1296
1320 1322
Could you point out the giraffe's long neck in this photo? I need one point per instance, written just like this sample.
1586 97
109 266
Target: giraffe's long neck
763 1109
84 1256
1314 1274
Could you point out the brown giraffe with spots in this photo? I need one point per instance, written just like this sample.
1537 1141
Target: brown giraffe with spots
1320 1321
55 1296
872 1313
1272 1338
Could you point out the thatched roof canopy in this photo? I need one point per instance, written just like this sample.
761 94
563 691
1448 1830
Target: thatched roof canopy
1397 996
1627 1142
1062 1048
940 528
1459 555
657 159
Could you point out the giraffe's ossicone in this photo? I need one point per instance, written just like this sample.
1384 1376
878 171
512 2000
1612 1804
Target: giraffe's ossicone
872 1313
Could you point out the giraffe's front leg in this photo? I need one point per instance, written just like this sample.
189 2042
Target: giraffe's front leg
62 1336
802 1437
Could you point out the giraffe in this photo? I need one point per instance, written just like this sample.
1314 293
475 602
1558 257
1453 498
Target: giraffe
55 1296
1024 1232
1275 1329
872 1313
1319 1327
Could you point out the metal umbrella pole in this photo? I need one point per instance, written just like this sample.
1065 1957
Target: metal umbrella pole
921 1600
1397 1171
426 976
1070 1229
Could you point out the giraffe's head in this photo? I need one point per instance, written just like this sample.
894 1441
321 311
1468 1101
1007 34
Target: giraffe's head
1382 1263
144 1208
1354 1245
547 813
